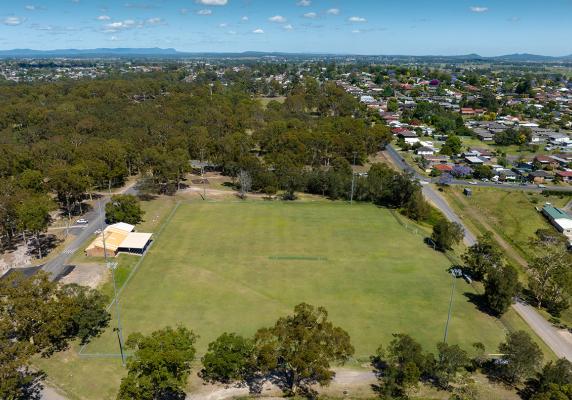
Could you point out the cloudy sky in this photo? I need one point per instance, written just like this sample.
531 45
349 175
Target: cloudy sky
487 27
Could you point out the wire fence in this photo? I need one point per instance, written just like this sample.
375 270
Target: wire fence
82 351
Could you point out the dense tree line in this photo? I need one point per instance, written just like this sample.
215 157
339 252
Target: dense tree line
299 350
61 141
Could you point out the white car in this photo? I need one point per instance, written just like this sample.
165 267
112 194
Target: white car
82 221
473 182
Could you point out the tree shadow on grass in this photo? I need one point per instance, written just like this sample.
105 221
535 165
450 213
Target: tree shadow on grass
479 301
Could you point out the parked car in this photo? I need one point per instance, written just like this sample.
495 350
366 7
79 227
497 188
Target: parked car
541 186
82 221
472 182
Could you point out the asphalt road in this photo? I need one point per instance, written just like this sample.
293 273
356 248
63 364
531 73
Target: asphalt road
544 329
463 182
56 266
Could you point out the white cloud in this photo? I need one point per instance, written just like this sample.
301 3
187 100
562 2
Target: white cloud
223 25
206 11
356 31
184 11
258 31
154 21
278 19
114 38
30 7
357 19
479 9
333 11
231 32
103 18
304 3
13 21
244 18
212 2
288 27
310 15
121 25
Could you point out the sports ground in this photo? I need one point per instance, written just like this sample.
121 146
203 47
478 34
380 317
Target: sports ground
238 266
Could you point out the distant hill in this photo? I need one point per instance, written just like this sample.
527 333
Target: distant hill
155 51
173 53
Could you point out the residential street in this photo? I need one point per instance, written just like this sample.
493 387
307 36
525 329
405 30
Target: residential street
554 338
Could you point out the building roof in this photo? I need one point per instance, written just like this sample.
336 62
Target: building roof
564 223
123 226
443 167
116 235
474 160
555 213
544 159
136 240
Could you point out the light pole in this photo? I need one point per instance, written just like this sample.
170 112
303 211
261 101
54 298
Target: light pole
453 280
112 266
353 180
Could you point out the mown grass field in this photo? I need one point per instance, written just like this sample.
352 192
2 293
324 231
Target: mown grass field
510 213
238 266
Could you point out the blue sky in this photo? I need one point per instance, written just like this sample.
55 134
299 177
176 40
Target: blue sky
487 27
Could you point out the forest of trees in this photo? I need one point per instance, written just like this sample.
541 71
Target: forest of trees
61 141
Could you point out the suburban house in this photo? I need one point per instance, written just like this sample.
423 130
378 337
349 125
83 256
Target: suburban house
474 160
425 151
540 176
443 167
118 238
566 176
485 136
409 137
547 162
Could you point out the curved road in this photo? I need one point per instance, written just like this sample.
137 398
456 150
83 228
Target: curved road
555 339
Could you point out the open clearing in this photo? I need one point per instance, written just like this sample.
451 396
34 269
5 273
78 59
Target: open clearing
238 266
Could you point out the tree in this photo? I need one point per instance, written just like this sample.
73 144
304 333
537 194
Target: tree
446 234
123 208
522 356
88 309
40 317
554 373
555 392
501 286
450 360
392 105
453 145
550 277
230 358
33 215
461 171
299 348
401 366
244 183
482 172
160 365
482 257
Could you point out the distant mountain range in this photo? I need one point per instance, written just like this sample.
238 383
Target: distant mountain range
156 52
